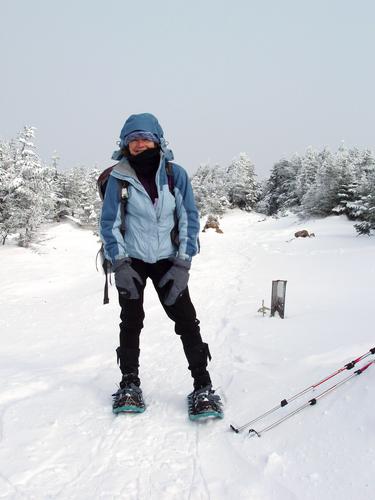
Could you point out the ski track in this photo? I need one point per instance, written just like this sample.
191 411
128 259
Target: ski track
58 436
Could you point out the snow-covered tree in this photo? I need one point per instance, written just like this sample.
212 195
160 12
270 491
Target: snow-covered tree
77 194
321 197
347 166
209 186
364 205
26 188
346 197
309 163
279 191
8 184
241 185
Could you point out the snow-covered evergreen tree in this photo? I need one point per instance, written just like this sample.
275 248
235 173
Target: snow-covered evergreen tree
243 191
346 199
309 163
209 186
90 205
26 188
279 192
347 165
321 197
77 194
34 195
364 205
8 184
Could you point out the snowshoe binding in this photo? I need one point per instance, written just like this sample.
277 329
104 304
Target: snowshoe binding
129 397
204 403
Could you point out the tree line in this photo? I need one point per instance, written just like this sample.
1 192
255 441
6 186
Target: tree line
316 183
32 192
322 183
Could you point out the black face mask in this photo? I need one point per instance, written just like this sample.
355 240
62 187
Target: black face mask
145 163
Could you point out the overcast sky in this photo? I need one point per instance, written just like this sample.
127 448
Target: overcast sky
265 77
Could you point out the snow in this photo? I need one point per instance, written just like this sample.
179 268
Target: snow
59 438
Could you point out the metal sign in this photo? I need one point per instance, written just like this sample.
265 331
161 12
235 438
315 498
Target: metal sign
278 297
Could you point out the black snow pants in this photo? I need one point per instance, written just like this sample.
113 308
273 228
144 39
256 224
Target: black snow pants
182 313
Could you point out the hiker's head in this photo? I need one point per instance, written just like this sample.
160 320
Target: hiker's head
144 124
141 132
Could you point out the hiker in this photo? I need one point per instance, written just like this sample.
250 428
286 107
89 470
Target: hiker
153 234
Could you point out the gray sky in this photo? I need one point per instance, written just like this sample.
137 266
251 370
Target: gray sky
266 77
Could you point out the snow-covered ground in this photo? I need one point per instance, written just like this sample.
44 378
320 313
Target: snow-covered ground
59 438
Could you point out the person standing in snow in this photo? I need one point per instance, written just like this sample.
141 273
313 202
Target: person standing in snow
154 212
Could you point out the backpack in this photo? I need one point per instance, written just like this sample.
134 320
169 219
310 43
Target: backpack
123 186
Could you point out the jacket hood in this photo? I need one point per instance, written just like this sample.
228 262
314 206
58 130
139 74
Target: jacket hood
145 122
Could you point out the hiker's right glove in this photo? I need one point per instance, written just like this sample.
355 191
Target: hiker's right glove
178 277
125 277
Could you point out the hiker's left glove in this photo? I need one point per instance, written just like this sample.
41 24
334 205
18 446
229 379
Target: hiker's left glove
125 277
178 275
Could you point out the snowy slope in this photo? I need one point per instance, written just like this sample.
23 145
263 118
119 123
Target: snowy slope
59 438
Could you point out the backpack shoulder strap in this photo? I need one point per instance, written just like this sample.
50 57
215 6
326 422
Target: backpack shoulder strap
169 171
103 180
124 195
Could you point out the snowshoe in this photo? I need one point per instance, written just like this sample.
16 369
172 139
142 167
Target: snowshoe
129 398
204 403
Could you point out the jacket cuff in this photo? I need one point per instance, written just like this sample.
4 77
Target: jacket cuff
186 264
184 256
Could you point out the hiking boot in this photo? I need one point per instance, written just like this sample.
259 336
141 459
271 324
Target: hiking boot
129 397
204 403
128 379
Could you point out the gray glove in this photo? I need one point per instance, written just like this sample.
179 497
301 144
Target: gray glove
124 278
178 274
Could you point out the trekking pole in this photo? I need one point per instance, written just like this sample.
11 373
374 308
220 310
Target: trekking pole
312 402
285 401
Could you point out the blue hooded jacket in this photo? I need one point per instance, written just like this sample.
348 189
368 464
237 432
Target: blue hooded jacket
147 227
